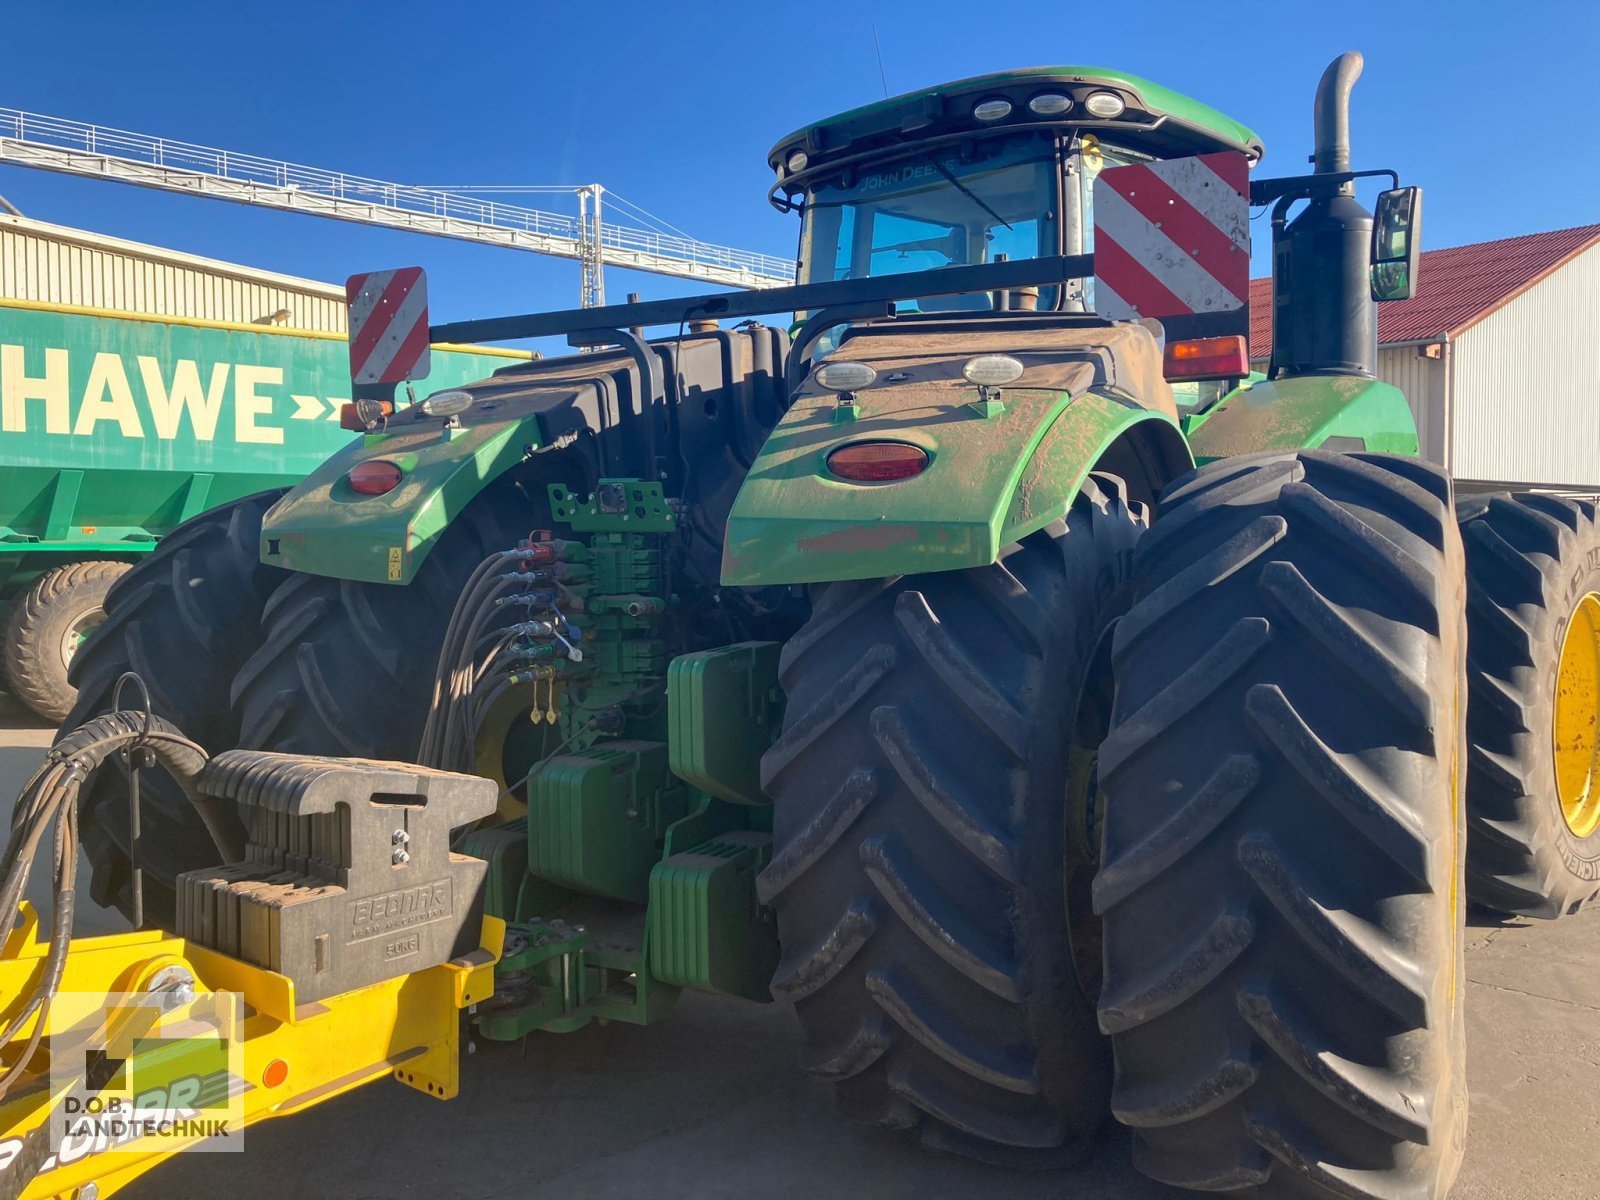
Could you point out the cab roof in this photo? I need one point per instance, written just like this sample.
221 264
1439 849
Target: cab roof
1156 118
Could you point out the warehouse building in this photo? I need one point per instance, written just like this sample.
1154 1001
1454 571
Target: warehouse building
56 265
1499 355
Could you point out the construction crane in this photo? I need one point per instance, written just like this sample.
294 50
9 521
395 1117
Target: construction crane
97 152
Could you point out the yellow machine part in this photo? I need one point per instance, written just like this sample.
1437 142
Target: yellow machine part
293 1055
1577 720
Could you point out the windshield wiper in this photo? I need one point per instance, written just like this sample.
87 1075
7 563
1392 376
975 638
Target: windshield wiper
965 190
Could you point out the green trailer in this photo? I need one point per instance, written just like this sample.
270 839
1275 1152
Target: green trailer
117 427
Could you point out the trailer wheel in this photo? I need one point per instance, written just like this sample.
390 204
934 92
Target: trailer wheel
1533 707
921 809
47 625
184 618
1281 888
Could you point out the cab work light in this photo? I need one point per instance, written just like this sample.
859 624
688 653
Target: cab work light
1207 358
1106 105
877 462
374 478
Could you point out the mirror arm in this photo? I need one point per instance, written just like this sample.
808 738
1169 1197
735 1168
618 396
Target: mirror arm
1306 187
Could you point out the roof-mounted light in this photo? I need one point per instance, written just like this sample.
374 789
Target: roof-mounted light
797 162
1050 104
1104 105
991 110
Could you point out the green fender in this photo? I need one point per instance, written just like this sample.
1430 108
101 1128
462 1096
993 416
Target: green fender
1302 413
996 472
323 527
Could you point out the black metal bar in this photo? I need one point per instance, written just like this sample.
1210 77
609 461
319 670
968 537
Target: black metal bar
139 757
1306 187
805 297
650 381
819 323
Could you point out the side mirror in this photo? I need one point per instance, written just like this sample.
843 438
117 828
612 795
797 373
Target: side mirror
1396 243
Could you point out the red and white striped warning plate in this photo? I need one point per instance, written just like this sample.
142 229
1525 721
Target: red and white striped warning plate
1172 238
388 325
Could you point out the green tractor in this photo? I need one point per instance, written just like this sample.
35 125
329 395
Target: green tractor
1061 718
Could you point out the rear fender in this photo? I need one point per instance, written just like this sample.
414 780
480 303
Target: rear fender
323 527
1303 412
991 480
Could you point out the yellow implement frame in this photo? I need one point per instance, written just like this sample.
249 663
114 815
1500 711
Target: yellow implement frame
293 1055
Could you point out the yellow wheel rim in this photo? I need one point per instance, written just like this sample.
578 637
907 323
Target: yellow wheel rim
508 710
1577 723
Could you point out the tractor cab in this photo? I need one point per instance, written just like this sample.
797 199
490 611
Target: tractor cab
993 168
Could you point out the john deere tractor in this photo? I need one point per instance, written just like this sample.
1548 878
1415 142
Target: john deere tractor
1061 717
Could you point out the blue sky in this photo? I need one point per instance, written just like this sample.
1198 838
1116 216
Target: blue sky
1488 105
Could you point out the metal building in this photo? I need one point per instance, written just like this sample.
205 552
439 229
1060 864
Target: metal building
53 264
1499 355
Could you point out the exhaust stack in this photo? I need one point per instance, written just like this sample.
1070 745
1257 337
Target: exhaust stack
1323 318
1332 114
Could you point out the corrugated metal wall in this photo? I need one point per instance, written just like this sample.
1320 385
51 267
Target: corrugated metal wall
57 265
1527 384
1422 380
1515 398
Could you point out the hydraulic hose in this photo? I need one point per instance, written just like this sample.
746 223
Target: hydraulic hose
51 795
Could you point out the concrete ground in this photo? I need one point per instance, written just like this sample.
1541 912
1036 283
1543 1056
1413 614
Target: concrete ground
709 1103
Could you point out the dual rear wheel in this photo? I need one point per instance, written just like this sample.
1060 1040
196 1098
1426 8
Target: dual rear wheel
1277 799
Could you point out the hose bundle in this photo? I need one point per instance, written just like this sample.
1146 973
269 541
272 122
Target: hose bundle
478 660
51 796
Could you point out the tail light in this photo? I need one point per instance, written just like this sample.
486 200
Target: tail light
877 462
1207 358
374 478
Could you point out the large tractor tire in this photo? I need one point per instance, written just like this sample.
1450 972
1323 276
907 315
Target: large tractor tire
1533 706
46 626
1281 888
347 668
920 790
184 619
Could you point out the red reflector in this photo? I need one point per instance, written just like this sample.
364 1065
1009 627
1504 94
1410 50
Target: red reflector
350 418
877 462
276 1074
1207 358
373 478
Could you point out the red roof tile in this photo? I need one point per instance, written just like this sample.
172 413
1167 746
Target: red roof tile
1456 287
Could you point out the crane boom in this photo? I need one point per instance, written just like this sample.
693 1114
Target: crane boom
97 152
